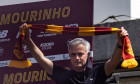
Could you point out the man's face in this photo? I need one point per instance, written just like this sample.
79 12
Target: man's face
78 55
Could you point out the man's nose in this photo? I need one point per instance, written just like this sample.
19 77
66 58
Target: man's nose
77 57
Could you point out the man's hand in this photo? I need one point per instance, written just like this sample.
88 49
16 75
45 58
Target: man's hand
117 55
120 34
27 33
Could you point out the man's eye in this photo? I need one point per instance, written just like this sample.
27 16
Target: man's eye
80 54
73 54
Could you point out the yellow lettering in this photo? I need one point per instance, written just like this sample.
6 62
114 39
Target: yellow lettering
56 13
47 14
66 11
26 17
18 78
15 17
39 16
28 78
41 74
35 75
8 80
46 76
32 76
33 15
5 20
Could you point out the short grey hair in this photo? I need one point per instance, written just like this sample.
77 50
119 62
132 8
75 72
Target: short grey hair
79 41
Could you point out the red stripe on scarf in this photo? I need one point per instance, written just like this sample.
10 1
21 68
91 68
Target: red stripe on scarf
70 30
102 30
42 27
127 48
19 54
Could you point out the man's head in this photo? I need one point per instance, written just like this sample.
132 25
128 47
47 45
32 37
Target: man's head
79 50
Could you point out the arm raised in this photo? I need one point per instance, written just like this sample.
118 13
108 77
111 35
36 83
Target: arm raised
111 64
37 53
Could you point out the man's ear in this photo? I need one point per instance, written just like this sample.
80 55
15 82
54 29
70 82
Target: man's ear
89 54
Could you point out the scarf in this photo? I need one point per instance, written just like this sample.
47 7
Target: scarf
19 58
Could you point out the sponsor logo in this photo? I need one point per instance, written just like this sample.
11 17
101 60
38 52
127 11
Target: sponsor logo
3 35
45 34
25 49
51 58
47 46
65 56
1 51
72 25
4 63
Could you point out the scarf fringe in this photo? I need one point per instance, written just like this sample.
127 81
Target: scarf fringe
20 64
129 63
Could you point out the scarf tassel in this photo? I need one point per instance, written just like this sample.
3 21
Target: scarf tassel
19 59
128 55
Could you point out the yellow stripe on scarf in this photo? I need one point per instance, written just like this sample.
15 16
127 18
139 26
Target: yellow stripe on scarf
54 29
114 30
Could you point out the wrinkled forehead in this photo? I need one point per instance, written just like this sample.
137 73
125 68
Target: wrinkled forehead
77 47
76 44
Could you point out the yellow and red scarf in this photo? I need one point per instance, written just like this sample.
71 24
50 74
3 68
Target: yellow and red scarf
20 60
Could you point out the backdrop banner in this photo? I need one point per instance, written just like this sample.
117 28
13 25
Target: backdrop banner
72 13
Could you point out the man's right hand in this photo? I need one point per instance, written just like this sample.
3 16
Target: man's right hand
27 33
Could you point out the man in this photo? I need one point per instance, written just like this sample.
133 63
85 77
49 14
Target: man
78 52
